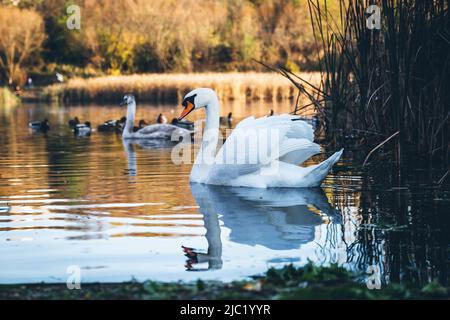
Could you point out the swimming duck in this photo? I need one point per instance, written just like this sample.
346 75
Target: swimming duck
188 125
112 125
82 129
73 122
141 124
228 120
42 126
161 119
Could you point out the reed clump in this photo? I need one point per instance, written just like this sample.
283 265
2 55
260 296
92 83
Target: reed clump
387 87
172 87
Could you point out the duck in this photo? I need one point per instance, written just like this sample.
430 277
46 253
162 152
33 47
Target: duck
82 129
73 122
152 131
189 125
161 119
41 126
228 120
112 125
261 152
141 124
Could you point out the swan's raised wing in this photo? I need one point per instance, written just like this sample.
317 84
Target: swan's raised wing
255 143
297 151
298 129
297 144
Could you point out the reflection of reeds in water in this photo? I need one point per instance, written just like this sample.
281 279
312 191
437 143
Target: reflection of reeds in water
380 82
172 87
404 233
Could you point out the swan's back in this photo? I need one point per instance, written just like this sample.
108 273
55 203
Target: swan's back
295 128
160 131
257 144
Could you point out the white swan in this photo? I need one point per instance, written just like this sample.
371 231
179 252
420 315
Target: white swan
153 131
260 153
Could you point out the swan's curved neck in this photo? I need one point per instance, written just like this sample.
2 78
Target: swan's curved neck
207 153
212 115
131 111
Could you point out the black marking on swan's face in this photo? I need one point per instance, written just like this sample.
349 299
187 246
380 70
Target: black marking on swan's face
127 99
190 99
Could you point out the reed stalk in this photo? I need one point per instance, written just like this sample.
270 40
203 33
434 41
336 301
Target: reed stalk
381 81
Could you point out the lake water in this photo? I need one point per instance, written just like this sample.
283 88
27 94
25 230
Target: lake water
121 211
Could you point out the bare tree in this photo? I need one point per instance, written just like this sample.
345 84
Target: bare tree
21 34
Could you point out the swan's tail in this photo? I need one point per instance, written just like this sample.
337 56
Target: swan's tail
319 171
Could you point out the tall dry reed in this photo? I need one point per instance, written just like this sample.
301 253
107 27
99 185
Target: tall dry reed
172 87
392 84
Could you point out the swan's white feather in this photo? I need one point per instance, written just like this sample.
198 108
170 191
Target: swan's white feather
158 131
245 153
260 152
242 152
297 128
287 175
297 151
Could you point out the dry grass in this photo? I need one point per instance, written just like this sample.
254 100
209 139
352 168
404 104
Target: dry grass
172 87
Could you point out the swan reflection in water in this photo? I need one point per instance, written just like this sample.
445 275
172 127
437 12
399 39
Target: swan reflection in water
129 147
276 218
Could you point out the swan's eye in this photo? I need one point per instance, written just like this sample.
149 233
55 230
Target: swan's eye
189 99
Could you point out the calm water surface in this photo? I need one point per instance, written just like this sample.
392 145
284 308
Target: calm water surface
121 211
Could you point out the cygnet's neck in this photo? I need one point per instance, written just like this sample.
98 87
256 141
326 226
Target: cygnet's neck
131 111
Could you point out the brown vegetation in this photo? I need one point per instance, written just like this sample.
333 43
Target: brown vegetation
193 35
172 87
140 36
22 33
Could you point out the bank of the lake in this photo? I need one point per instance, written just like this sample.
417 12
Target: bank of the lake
308 282
171 87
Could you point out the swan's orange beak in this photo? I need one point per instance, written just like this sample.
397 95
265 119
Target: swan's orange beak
189 107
